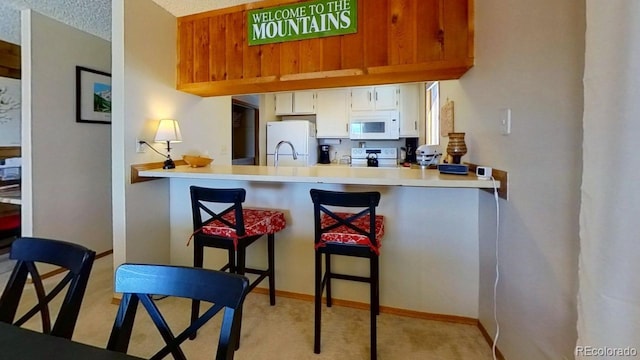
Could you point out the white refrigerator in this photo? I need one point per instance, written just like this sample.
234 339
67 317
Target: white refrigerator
301 134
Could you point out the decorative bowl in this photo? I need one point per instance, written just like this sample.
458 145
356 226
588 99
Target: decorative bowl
196 161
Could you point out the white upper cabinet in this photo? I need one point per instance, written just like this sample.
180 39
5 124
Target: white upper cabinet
410 110
371 98
295 103
332 116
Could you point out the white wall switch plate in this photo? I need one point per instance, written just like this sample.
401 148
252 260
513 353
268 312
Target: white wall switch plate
505 121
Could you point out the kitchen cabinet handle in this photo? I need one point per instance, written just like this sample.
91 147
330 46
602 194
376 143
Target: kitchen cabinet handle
415 125
369 92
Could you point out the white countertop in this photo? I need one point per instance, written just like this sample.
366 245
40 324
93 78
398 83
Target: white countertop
325 174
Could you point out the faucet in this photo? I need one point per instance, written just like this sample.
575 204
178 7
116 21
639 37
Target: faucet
275 155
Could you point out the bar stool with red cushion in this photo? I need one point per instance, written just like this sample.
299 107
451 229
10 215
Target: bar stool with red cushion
10 228
233 228
356 234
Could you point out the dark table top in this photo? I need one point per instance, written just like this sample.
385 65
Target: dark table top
17 343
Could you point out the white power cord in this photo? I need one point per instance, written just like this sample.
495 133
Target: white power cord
495 284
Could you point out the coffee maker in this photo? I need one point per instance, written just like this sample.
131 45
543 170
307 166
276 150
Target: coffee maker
411 145
324 157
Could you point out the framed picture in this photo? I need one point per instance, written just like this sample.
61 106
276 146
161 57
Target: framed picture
93 96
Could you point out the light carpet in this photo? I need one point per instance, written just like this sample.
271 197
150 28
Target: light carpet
281 332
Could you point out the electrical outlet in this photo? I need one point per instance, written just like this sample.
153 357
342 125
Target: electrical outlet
140 147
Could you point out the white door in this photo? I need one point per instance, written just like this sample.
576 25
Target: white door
385 97
332 119
362 98
284 103
409 110
304 102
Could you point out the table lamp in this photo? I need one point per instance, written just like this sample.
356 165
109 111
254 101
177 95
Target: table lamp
456 147
169 131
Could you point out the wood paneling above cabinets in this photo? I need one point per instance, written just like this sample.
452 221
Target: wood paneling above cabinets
397 41
9 60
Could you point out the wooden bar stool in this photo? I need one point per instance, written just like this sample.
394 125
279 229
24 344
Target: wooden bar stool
356 234
234 228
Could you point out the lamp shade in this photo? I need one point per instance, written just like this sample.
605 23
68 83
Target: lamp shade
168 130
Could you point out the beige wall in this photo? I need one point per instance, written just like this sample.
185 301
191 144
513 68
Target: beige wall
144 92
66 165
530 58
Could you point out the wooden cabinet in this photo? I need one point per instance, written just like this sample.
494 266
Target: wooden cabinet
410 110
332 116
397 41
372 98
295 103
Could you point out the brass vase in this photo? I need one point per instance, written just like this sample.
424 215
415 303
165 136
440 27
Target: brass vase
456 146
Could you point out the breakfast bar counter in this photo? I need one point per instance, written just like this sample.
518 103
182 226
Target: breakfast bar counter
429 259
335 174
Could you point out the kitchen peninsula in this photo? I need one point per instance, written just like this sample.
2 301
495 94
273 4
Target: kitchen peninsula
429 259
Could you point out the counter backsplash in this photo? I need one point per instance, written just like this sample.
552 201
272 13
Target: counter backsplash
344 148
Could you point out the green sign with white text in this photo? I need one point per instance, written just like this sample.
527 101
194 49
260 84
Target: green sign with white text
307 20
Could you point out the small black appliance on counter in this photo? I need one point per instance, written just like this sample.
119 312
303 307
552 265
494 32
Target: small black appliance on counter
324 157
411 145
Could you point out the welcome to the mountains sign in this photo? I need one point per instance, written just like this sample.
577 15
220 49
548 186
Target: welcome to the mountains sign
311 19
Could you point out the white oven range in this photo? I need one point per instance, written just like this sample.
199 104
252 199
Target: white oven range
387 157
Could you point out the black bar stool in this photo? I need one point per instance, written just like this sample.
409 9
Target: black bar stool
233 229
356 234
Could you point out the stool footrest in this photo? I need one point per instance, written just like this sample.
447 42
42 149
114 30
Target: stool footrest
350 277
256 281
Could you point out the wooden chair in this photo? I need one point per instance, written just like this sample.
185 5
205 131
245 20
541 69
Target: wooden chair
138 282
234 228
356 234
76 259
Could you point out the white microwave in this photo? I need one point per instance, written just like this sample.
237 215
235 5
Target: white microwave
375 125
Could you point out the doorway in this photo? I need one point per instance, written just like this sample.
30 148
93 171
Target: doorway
244 132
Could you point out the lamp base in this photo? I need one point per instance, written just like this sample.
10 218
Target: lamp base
169 164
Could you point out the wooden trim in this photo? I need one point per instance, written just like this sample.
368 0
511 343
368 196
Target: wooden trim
321 74
10 60
256 125
383 309
9 151
136 168
61 270
500 175
305 81
487 337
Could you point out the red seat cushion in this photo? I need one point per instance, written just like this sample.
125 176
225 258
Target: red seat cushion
346 235
9 222
256 222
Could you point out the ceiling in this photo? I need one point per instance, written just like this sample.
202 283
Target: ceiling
92 16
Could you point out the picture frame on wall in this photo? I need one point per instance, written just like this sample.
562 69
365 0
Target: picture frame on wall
93 96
